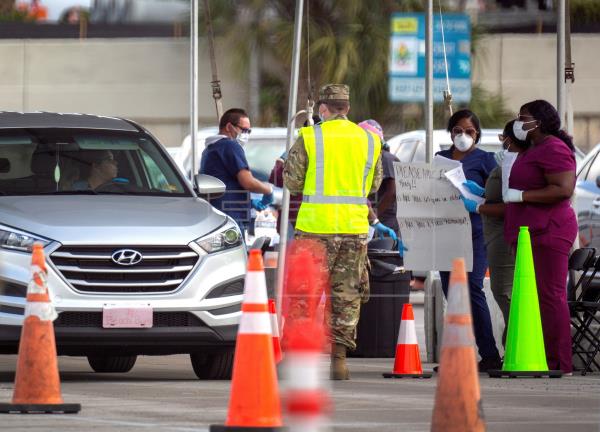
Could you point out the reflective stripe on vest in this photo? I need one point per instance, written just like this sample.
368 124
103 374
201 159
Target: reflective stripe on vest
336 188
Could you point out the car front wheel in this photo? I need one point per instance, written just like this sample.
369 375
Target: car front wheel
114 364
213 366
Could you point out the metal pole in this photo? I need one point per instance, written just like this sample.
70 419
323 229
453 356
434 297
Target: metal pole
193 85
293 96
429 301
429 82
561 105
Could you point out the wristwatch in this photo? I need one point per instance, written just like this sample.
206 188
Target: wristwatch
375 222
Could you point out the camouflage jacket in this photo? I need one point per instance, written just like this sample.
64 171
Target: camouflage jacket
296 164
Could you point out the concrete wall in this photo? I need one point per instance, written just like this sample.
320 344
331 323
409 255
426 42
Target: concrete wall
523 68
146 80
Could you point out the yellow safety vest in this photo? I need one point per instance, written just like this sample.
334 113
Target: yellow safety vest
341 166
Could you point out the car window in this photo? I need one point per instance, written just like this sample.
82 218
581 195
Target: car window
262 153
85 162
15 155
407 150
594 170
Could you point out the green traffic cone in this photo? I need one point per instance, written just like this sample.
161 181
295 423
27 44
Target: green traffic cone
525 354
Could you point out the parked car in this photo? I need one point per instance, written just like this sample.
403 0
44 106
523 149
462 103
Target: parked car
262 150
587 199
141 241
410 146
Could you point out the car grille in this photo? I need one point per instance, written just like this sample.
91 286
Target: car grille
159 319
91 268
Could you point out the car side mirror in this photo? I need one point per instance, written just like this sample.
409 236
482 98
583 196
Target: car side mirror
209 186
598 181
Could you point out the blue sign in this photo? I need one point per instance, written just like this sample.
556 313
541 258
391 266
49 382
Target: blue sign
407 57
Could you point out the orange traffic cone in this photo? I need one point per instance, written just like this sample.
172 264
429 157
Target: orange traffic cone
37 383
408 360
457 400
275 331
254 403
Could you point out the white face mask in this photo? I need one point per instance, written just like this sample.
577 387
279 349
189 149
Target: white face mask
463 142
243 138
518 129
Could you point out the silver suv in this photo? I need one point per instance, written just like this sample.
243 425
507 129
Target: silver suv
138 263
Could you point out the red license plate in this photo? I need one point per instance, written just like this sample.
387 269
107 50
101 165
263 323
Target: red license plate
127 317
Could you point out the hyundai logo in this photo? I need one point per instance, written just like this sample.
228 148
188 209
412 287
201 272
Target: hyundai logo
126 257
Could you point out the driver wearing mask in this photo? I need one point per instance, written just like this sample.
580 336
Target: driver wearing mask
102 169
225 159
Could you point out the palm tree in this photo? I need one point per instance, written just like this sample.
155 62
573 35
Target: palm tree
348 41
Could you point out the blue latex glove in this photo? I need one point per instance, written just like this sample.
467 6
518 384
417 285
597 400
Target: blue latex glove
257 204
474 188
401 248
470 205
382 230
266 200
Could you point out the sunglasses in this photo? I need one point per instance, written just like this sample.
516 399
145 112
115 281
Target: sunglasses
244 130
457 130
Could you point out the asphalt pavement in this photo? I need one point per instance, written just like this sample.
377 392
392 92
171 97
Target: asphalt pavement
162 394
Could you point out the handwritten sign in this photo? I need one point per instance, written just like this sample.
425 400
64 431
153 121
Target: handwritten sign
434 224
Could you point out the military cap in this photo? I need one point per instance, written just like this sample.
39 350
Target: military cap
334 92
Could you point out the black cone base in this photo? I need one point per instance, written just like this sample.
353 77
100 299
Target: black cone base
6 408
425 374
497 373
223 428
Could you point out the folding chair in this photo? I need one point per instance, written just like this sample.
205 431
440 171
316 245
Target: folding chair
586 339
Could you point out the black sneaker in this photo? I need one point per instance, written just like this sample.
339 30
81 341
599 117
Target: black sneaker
489 364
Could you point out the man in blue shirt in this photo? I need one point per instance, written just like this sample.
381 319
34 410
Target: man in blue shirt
225 159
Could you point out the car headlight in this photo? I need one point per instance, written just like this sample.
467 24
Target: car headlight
227 237
13 239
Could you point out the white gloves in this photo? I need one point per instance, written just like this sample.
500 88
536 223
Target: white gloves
513 195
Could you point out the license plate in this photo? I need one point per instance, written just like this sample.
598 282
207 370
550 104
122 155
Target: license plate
127 317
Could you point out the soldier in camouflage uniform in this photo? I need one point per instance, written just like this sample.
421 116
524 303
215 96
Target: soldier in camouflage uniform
346 251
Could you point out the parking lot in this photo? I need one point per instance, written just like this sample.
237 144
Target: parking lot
368 402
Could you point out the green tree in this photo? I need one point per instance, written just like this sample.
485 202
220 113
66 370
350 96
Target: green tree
348 42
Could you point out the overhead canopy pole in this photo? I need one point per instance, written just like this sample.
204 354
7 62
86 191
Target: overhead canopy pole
561 99
193 85
293 96
429 306
429 81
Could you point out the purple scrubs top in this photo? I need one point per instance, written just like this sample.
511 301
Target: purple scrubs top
551 156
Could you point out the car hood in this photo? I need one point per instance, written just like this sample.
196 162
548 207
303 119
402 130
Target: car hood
109 219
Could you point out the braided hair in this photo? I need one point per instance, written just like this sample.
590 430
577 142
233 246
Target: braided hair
546 114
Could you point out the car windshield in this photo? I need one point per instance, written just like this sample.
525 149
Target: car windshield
261 153
50 161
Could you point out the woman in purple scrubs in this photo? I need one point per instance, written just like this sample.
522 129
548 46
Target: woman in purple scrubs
542 181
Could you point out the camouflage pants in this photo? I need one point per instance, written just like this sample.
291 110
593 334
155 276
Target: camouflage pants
346 259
